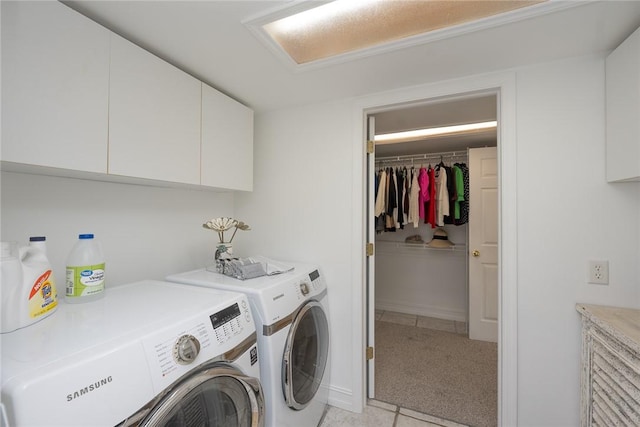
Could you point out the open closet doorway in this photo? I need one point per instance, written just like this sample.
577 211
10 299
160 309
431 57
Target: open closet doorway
433 282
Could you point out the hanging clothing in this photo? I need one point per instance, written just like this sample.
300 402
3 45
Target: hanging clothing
464 204
400 195
423 196
431 209
459 180
414 198
405 191
442 197
451 192
392 201
381 197
437 196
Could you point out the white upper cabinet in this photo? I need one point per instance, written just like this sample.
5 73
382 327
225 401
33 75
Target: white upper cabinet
79 98
227 142
623 111
55 87
154 117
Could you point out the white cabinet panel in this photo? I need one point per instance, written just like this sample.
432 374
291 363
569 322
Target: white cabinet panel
227 142
55 86
154 117
623 111
80 98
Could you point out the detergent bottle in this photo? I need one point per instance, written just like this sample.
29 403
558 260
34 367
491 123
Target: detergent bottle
29 291
85 271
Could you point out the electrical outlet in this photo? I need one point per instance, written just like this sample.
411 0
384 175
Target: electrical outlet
599 272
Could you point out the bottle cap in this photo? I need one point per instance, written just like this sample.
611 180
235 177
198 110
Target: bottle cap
85 236
37 239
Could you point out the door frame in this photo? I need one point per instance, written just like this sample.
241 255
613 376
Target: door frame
504 85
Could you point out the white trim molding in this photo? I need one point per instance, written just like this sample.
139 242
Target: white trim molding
425 310
503 84
342 398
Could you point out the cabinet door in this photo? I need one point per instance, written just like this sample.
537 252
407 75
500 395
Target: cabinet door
623 111
55 87
227 142
154 117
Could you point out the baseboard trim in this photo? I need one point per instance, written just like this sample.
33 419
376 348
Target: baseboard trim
342 398
423 310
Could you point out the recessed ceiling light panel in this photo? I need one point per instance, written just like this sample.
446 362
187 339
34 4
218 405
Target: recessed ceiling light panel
343 26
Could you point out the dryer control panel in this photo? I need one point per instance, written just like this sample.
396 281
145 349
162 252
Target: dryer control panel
282 295
310 285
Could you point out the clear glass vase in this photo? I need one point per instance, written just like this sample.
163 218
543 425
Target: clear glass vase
224 251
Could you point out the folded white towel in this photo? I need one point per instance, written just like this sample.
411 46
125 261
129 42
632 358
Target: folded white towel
271 266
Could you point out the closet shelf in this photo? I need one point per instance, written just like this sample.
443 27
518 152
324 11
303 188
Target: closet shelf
448 156
390 244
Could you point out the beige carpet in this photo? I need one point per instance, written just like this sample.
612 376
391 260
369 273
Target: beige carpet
438 373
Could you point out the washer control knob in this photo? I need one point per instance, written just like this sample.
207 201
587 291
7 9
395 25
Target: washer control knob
186 349
304 288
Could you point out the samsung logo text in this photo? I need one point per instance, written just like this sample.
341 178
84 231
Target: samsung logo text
88 389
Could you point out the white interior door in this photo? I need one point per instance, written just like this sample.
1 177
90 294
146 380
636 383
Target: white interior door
483 244
371 236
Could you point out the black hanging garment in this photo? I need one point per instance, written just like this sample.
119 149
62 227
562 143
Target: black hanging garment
464 205
451 193
407 190
400 179
392 201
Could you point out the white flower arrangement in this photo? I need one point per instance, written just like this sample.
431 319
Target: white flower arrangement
222 224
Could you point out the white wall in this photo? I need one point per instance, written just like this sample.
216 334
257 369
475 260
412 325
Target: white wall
145 232
300 209
566 215
414 281
419 280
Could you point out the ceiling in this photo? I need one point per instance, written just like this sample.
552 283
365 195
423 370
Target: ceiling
210 40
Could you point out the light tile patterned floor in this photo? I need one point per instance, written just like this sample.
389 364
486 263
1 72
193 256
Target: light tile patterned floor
382 414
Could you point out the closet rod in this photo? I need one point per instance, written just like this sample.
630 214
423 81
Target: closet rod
459 153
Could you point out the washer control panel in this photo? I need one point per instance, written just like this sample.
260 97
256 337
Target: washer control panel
175 349
230 321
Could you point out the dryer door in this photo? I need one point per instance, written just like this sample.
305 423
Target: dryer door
215 396
305 355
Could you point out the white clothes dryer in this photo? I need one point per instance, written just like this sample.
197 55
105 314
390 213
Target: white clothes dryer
150 353
291 312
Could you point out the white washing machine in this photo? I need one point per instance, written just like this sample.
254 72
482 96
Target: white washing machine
291 312
150 353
